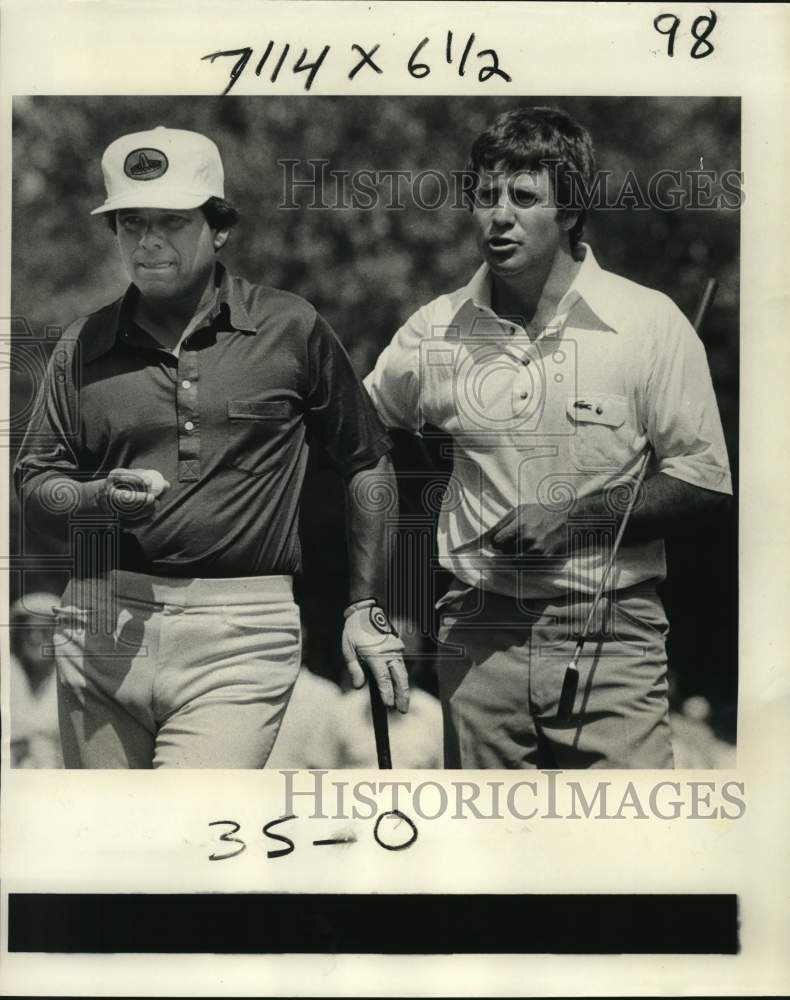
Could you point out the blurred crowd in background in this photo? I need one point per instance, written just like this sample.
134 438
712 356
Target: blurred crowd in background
367 269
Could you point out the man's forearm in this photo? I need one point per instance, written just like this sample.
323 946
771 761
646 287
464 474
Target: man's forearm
372 510
51 500
664 504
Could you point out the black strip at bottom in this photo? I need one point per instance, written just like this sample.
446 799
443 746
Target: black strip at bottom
278 923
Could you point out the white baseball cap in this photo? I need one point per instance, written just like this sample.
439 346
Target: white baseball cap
162 168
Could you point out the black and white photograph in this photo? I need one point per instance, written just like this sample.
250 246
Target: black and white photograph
385 470
417 305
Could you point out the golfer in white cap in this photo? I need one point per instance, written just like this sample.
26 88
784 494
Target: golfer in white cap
177 419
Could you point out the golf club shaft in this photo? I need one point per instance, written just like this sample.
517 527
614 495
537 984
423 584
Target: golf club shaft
570 682
380 724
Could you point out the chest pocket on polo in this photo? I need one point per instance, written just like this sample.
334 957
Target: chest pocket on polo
601 431
256 431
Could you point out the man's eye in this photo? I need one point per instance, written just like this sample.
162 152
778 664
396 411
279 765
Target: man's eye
130 222
522 198
175 221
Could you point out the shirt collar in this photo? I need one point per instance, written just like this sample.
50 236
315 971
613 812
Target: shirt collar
479 288
228 293
102 330
590 285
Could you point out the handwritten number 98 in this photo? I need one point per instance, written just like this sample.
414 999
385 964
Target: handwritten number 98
701 28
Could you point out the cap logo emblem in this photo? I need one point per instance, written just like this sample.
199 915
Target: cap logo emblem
145 164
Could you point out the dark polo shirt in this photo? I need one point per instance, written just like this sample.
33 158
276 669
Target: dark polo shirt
226 422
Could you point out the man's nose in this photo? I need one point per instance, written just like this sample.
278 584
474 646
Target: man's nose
503 210
150 236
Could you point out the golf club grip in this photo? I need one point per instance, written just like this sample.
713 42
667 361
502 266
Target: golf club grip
380 725
570 687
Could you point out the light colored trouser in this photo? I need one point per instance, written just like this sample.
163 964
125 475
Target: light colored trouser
501 664
168 672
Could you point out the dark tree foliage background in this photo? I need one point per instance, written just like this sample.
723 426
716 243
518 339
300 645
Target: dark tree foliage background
367 269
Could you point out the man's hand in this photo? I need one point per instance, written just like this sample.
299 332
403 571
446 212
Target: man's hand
132 493
368 635
530 529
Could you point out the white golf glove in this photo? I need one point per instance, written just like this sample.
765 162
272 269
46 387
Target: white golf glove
369 635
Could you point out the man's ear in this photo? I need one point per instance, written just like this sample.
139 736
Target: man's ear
566 218
220 238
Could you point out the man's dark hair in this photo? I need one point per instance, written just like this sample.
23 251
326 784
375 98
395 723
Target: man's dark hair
532 138
218 213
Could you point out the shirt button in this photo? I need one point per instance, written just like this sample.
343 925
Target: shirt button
512 330
525 362
524 395
186 384
189 426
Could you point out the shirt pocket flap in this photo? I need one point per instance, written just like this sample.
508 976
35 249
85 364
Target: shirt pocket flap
257 409
601 408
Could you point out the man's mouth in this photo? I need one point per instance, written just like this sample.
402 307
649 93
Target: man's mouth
154 266
501 243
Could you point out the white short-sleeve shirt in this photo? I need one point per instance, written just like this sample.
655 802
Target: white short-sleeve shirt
539 421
